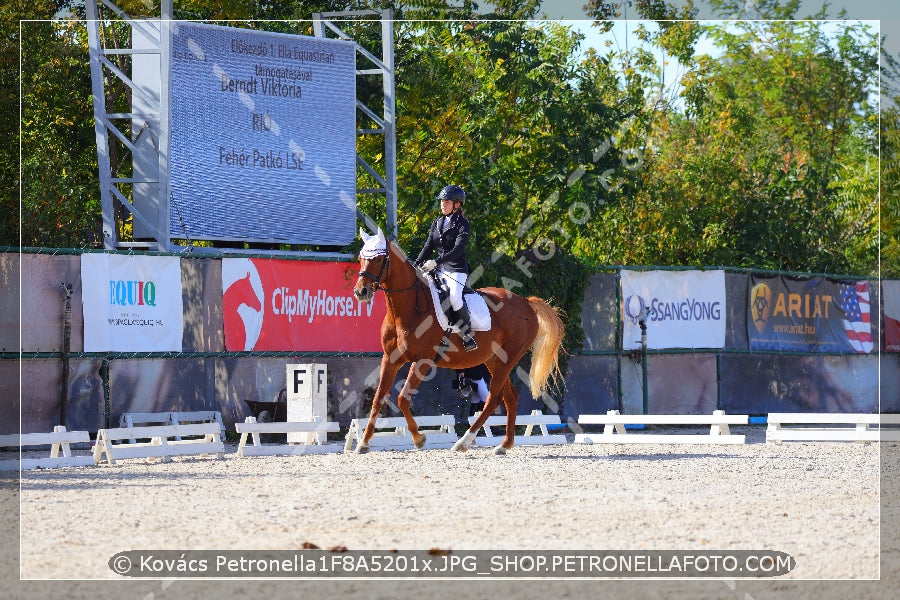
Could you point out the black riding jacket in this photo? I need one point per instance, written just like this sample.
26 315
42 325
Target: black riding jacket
450 244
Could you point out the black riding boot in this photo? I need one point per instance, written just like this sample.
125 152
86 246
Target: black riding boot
465 328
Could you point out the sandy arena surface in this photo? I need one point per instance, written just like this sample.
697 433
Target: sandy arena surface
818 502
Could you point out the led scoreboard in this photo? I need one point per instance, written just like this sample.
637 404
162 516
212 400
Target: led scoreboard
263 136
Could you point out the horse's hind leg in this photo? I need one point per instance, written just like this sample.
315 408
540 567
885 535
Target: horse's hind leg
495 393
511 401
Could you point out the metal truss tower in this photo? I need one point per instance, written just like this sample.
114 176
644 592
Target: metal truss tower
140 188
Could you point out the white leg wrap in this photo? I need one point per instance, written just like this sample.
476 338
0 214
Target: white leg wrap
463 443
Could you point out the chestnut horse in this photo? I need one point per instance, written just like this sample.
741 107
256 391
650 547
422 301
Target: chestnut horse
410 333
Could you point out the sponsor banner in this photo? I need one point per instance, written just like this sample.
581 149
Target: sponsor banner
891 295
131 303
809 315
285 305
684 309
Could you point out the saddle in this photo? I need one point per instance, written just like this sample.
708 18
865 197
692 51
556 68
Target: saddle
479 315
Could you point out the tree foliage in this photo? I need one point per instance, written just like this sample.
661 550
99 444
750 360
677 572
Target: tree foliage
764 156
890 191
773 162
60 204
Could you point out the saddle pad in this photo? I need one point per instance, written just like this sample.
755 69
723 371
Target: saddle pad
479 315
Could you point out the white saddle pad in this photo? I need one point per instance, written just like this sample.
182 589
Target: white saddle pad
479 315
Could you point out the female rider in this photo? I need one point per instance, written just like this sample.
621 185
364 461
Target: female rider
449 235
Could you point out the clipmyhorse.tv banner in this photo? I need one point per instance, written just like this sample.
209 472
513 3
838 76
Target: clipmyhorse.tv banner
684 309
284 305
131 303
809 315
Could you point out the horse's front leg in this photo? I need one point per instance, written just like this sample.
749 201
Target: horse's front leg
386 377
417 372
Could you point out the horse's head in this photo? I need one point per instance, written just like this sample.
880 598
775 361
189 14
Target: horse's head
374 263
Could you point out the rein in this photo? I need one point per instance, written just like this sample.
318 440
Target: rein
384 272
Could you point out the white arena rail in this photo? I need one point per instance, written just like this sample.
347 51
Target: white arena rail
251 428
396 436
165 441
832 427
536 418
59 440
135 419
614 431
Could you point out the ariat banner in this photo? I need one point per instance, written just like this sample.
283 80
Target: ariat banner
809 315
285 305
131 303
682 309
890 291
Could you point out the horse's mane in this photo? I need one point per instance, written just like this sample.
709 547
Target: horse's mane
399 250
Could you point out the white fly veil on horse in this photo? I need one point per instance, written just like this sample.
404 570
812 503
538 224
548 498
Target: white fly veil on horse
373 245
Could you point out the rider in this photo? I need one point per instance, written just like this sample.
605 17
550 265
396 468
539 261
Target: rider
449 235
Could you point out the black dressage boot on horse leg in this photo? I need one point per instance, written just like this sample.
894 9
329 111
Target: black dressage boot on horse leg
465 328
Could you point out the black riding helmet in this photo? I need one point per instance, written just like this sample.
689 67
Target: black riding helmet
454 193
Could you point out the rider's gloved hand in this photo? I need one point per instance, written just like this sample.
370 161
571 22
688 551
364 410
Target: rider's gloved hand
429 266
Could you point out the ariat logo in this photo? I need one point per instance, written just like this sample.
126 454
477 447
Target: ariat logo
760 305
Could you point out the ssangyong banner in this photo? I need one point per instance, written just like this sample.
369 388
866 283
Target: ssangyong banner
809 315
131 303
285 305
890 293
683 309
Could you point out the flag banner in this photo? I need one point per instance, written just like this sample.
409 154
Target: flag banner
684 309
891 294
131 303
284 305
809 315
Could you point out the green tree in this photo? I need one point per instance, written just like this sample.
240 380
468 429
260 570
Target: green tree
563 153
13 15
890 191
509 109
60 200
772 163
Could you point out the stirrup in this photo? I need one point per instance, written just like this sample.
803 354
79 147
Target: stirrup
469 343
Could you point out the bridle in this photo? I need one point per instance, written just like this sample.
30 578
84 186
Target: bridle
383 272
376 279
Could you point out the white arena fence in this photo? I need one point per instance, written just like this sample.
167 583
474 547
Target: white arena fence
604 374
163 442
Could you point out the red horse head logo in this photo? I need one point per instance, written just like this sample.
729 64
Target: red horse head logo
242 308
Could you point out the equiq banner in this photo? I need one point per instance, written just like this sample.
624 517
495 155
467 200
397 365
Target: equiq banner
890 293
263 136
685 309
809 315
284 305
131 303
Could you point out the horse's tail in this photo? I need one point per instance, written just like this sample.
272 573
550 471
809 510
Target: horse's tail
545 350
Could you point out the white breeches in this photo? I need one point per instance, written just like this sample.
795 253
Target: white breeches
455 283
480 393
